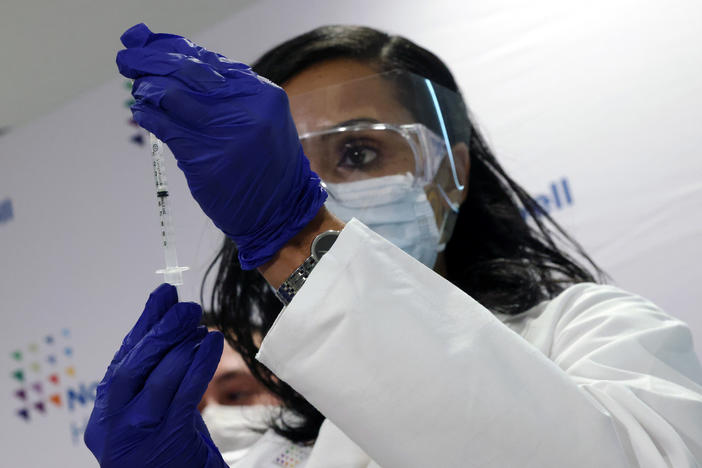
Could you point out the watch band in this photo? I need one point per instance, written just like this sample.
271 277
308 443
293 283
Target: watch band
321 244
292 285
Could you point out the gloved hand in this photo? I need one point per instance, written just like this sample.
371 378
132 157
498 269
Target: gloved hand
145 412
233 136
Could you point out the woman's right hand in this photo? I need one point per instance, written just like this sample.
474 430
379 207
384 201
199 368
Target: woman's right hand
232 134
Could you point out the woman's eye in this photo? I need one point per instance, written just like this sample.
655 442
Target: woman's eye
357 156
235 397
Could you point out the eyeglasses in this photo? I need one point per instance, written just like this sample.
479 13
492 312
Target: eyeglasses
367 150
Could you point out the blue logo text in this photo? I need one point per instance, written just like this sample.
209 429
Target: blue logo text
6 213
558 197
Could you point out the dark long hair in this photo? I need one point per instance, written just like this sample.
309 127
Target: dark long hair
505 251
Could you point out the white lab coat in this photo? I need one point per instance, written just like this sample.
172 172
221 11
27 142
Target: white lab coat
415 373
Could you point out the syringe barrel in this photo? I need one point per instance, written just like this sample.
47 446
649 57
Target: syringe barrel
172 272
167 237
158 163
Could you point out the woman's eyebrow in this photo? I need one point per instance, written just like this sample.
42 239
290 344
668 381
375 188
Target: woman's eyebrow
350 122
229 375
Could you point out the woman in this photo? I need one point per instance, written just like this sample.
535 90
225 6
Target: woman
400 366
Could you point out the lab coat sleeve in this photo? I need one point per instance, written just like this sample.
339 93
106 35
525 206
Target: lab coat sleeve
419 374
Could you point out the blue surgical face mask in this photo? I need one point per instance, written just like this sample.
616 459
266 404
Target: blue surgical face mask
393 207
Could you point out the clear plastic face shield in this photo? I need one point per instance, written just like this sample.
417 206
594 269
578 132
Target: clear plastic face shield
382 146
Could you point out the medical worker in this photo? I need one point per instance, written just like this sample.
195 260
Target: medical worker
434 316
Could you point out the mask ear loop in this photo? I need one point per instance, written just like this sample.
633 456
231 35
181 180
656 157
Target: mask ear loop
449 220
459 186
451 204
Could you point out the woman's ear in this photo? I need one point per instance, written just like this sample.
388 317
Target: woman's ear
461 157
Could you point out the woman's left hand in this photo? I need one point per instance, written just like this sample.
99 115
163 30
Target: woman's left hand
145 412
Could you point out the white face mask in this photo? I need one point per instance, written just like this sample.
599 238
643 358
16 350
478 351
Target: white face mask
234 429
392 207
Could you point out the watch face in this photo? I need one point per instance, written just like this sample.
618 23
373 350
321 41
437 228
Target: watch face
323 242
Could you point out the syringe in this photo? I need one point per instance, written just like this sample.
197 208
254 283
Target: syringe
172 274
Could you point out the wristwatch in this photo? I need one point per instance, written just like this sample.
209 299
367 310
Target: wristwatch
320 245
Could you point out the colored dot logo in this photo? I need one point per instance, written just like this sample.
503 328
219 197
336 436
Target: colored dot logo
31 379
138 137
19 375
292 456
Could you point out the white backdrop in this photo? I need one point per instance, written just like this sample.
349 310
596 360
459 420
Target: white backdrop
595 107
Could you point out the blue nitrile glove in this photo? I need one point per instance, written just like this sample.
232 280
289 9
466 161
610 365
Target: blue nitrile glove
233 136
145 412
